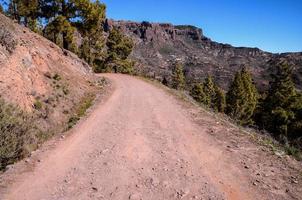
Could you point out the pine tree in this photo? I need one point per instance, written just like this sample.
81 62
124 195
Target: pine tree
119 49
13 10
61 32
295 128
92 16
251 96
278 107
60 15
26 12
1 9
209 94
198 94
178 78
219 101
242 98
209 90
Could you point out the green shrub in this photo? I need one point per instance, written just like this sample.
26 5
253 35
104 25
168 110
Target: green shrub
38 105
17 134
57 77
81 109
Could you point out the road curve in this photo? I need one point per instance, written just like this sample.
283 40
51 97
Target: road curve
139 144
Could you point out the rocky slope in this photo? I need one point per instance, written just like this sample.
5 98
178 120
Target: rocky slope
158 46
40 77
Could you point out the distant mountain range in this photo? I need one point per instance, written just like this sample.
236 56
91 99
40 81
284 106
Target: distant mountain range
158 46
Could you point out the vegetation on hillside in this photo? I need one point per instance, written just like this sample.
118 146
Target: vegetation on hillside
281 111
178 79
116 60
1 9
17 134
77 25
242 98
209 94
278 110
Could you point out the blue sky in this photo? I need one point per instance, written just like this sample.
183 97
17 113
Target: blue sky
271 25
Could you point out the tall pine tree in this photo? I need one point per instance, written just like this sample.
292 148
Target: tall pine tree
178 78
219 101
280 104
92 15
119 49
26 12
1 9
61 32
242 98
209 94
198 94
209 90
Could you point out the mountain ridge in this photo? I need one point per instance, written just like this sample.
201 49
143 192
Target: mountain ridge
159 45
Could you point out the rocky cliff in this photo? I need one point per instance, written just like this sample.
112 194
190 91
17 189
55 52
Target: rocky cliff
158 46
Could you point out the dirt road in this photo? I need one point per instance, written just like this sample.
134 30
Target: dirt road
140 144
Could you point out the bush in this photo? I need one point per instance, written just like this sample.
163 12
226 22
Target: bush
17 134
57 77
81 109
38 105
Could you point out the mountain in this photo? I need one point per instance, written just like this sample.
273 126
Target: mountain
158 46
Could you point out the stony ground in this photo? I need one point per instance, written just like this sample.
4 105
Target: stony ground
144 143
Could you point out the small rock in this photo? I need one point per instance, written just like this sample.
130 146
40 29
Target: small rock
38 160
246 167
104 151
154 182
287 190
295 181
255 184
8 167
135 197
165 183
182 193
279 153
27 160
94 189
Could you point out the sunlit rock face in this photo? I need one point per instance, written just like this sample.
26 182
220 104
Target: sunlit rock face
159 45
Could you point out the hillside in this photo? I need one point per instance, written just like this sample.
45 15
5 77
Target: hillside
158 46
45 81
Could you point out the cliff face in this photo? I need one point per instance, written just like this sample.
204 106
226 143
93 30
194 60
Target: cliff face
158 46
